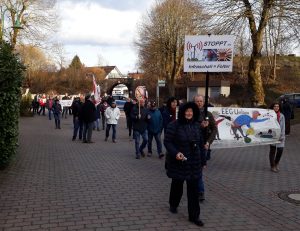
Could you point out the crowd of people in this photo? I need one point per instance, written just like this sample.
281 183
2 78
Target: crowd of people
189 130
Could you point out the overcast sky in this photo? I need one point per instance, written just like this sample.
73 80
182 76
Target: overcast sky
106 28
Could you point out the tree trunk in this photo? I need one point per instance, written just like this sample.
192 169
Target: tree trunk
255 85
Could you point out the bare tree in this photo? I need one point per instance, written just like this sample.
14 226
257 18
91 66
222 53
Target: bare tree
161 38
229 17
58 54
29 21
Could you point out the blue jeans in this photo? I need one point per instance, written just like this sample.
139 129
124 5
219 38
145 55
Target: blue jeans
201 184
78 125
97 124
113 128
57 119
157 138
87 131
200 181
136 137
49 113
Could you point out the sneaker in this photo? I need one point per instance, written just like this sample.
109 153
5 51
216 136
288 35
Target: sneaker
114 141
137 157
73 138
105 139
201 196
149 154
161 155
173 210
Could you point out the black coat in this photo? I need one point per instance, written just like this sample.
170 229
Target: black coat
185 137
88 112
139 124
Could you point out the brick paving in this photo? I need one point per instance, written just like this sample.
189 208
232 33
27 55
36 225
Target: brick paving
59 184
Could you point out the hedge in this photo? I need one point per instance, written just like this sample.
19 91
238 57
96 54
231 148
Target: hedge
11 77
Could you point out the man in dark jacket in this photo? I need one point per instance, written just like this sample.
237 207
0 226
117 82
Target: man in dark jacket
127 109
155 127
287 111
77 121
88 115
209 131
139 118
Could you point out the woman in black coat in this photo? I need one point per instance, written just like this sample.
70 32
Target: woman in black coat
186 157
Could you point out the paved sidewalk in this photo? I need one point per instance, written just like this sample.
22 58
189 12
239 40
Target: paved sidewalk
59 184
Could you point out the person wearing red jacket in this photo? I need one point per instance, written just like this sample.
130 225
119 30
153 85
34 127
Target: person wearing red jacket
42 102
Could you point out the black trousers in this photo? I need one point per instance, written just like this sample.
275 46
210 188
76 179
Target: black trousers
275 155
192 195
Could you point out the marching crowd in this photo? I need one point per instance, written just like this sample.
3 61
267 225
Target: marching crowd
189 130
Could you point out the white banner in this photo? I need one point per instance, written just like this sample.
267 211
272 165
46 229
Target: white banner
241 127
203 53
66 102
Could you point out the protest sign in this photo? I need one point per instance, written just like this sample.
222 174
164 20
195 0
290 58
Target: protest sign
204 53
242 127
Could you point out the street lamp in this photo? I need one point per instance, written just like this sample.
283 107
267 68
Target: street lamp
16 24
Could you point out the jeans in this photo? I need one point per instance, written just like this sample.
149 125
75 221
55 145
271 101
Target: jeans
157 138
57 119
64 112
136 137
200 181
103 120
49 114
129 124
78 125
42 109
114 130
275 155
87 131
97 124
201 184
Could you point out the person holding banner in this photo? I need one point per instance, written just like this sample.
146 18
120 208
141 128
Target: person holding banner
184 144
139 118
276 150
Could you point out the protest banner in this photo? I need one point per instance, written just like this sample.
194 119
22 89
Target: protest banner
242 127
208 53
66 102
96 92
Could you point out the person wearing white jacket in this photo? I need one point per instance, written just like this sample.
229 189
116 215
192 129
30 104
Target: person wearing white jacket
112 115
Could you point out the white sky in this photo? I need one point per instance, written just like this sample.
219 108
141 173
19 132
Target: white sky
106 28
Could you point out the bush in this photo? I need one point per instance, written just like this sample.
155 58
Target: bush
11 77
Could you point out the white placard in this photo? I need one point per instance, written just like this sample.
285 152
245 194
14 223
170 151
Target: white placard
203 53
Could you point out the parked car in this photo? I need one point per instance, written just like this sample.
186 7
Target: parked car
294 98
120 101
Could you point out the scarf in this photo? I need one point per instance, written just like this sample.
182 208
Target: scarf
278 116
173 113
